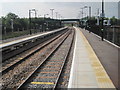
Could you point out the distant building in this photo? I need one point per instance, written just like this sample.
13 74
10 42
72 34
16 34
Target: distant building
119 9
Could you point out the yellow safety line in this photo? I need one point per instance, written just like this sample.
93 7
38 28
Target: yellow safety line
20 58
101 76
42 83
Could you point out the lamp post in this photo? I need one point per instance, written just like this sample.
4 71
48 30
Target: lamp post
30 19
12 24
35 12
82 12
88 16
52 12
59 19
39 16
45 15
98 16
35 17
44 21
89 10
4 28
56 14
59 16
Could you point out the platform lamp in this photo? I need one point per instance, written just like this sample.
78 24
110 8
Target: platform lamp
59 19
12 25
82 14
30 19
35 15
44 21
56 14
52 12
89 11
35 12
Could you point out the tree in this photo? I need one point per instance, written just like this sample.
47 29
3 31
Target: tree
24 23
8 18
12 16
113 21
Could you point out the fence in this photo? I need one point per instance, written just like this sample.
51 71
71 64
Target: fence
112 33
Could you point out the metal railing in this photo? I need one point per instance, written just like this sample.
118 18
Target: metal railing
112 34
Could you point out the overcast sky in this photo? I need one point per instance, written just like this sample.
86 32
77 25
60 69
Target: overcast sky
67 9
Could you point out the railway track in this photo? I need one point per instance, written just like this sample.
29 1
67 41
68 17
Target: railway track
18 72
12 64
48 73
13 48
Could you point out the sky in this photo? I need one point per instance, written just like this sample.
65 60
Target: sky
67 9
58 0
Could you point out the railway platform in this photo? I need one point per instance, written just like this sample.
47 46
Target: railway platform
90 66
13 42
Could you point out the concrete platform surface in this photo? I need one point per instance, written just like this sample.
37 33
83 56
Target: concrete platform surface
87 71
108 54
16 41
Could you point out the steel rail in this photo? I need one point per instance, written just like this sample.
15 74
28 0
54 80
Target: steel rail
50 54
65 59
23 59
7 54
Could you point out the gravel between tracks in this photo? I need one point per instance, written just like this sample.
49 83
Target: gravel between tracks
15 76
50 69
17 58
63 82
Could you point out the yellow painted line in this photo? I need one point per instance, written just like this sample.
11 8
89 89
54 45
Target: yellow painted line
103 80
42 83
53 65
55 62
63 83
65 77
20 58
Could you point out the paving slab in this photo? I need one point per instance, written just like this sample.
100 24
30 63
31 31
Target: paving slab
87 71
107 53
